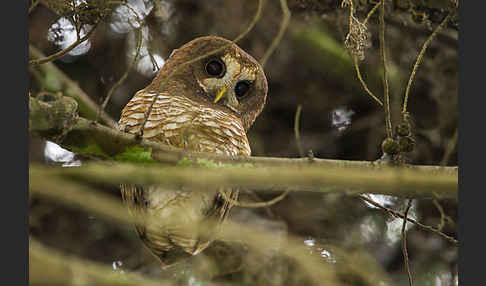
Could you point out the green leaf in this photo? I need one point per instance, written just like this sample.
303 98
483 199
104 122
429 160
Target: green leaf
90 149
135 154
185 162
208 163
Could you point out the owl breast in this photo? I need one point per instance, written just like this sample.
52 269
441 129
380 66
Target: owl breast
170 214
181 122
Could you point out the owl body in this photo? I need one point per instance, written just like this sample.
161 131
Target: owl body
205 106
181 122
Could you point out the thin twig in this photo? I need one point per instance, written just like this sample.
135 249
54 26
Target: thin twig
255 196
419 60
354 54
155 65
351 11
442 214
372 11
283 27
450 148
256 204
34 4
74 18
65 51
363 83
423 226
238 38
130 66
404 243
296 130
253 22
386 96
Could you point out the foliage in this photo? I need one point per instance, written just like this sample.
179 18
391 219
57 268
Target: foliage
136 154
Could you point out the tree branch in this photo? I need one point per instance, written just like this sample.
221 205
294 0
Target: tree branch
112 142
297 174
55 80
401 182
49 266
43 60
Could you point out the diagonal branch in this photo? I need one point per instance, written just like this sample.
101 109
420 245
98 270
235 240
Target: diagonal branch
420 225
404 243
283 27
112 142
56 80
50 266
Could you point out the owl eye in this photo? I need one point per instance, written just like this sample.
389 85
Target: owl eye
242 88
215 68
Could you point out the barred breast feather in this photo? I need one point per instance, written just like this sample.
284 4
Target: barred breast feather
181 122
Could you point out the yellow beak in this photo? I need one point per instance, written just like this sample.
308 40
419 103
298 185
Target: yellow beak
220 94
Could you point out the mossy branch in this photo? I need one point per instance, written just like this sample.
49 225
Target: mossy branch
401 182
113 142
54 80
297 174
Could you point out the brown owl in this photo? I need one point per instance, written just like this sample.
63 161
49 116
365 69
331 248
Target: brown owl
205 106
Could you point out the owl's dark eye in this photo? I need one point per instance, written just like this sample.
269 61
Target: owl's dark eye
216 68
242 88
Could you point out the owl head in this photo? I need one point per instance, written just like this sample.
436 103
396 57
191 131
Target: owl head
229 80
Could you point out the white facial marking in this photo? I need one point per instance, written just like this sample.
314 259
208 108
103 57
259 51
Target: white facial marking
234 73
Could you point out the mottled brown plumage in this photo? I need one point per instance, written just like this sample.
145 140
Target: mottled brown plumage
206 106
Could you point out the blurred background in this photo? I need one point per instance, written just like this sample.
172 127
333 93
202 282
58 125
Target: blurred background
312 68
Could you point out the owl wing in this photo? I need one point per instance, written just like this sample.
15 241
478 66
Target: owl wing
180 122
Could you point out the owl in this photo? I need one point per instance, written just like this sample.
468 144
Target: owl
204 106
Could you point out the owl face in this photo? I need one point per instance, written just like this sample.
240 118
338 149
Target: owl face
230 80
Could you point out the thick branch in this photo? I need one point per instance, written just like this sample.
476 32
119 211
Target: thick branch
50 266
322 175
111 142
401 182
